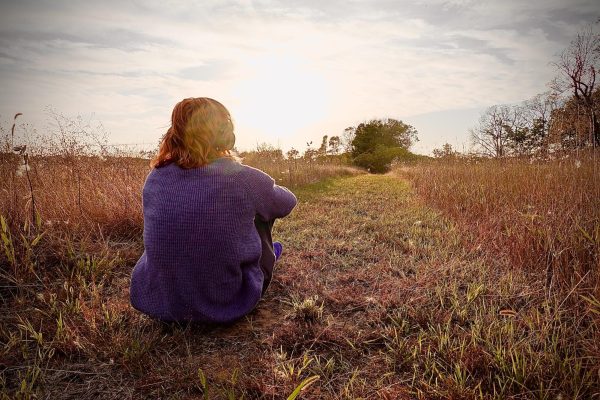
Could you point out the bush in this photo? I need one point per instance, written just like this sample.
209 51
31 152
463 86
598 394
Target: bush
379 161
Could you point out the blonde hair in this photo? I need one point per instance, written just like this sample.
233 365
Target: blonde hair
201 131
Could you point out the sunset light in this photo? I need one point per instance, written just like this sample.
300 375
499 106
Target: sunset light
280 94
289 73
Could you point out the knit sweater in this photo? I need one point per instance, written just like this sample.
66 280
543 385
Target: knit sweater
202 251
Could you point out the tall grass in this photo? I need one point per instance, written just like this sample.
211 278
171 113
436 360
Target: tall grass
302 171
68 186
87 191
71 227
542 217
384 299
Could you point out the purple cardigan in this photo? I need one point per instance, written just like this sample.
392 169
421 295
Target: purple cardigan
202 251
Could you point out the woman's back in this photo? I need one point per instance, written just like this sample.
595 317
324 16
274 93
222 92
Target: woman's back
202 249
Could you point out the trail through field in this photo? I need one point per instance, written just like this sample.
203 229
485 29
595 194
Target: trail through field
373 294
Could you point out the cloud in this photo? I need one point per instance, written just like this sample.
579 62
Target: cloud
130 62
213 69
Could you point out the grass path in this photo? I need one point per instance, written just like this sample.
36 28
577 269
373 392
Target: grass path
361 259
379 263
374 294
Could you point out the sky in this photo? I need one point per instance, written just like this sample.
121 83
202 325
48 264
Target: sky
288 71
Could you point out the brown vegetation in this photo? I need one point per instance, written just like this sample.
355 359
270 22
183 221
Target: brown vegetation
480 282
538 216
377 295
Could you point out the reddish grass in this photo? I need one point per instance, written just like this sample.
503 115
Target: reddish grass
377 294
539 217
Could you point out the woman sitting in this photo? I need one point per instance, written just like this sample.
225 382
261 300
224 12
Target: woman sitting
208 253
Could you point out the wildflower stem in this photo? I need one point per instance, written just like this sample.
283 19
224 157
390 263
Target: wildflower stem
26 160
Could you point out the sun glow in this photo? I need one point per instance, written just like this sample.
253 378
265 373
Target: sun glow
280 96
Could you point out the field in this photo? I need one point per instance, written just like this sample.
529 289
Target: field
439 280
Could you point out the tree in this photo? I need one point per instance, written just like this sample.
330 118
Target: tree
334 145
379 161
538 113
498 125
310 154
578 67
446 151
347 138
323 148
386 132
377 143
569 126
292 154
519 139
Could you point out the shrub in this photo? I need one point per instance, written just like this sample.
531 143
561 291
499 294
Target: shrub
380 160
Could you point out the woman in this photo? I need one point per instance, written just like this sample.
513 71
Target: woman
208 254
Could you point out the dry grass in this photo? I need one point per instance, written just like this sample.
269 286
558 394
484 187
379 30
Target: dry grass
296 173
377 294
103 194
539 217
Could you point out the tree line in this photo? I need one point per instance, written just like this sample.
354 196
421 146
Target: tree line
564 118
372 145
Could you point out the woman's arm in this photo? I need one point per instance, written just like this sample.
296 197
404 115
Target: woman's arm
270 200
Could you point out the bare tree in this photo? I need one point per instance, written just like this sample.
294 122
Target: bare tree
578 67
347 138
445 152
493 133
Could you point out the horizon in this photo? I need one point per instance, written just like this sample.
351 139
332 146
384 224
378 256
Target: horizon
288 74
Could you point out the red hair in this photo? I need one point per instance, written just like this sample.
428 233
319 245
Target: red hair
201 131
